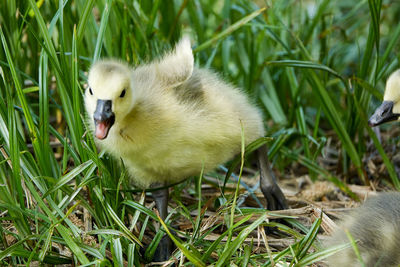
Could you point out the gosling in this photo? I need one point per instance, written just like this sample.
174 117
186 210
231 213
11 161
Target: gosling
376 227
389 110
168 119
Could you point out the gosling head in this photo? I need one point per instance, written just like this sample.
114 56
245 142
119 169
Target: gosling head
108 97
389 110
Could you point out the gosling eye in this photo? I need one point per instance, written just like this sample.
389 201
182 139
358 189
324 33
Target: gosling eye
90 91
122 93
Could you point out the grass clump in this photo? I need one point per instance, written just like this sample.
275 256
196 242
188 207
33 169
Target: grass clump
314 67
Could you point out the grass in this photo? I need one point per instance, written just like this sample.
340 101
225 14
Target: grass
316 68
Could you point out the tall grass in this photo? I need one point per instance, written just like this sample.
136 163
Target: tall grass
312 66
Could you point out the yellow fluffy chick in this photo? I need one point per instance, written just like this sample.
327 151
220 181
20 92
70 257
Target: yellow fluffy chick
167 119
376 227
389 110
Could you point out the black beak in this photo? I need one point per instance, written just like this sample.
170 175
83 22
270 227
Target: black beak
104 118
384 113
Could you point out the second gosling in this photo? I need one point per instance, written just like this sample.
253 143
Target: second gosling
376 228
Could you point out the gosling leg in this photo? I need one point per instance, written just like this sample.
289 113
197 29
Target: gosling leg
164 249
272 193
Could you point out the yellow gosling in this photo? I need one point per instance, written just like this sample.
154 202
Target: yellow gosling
167 119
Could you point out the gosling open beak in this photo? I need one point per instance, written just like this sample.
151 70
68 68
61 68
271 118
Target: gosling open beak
104 118
384 113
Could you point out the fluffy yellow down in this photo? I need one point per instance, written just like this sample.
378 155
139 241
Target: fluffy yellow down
173 118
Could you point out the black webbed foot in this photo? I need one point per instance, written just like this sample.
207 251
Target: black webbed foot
274 196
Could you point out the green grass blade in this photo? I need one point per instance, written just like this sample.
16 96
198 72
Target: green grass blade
141 208
20 93
84 20
102 29
237 242
228 30
117 220
191 256
304 64
46 245
336 121
116 251
68 177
